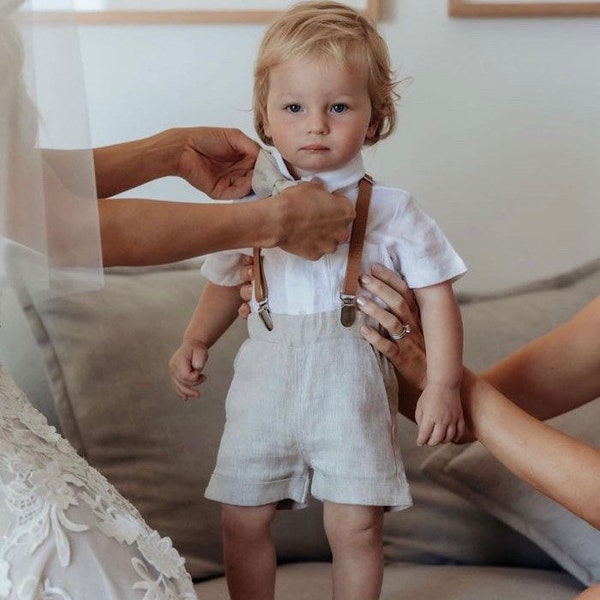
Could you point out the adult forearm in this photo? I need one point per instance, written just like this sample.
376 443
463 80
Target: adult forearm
146 232
124 166
556 372
557 465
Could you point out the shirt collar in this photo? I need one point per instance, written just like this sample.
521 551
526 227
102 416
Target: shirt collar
335 181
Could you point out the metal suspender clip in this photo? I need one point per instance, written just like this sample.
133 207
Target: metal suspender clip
265 314
348 309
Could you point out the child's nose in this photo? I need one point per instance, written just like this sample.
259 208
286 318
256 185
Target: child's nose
317 124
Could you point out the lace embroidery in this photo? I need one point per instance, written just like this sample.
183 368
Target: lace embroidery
42 478
30 589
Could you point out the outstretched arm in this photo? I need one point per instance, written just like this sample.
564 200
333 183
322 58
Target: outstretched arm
556 372
554 463
559 466
217 161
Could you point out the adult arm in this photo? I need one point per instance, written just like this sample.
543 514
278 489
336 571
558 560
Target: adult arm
304 220
217 161
556 372
554 463
557 465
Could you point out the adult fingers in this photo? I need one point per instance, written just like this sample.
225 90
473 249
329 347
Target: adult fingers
393 290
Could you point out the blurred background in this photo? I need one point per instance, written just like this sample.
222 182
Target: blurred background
498 136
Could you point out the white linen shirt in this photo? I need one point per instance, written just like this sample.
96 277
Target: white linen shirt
399 235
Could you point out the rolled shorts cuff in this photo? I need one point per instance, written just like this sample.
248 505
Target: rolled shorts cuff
292 492
392 494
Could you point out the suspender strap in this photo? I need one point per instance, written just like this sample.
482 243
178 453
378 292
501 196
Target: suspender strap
348 295
357 239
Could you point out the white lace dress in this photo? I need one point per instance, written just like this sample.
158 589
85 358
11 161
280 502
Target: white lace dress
65 531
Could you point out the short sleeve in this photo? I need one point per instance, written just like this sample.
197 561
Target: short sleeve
420 248
223 268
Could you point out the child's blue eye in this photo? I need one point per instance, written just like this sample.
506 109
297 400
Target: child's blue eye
339 107
293 108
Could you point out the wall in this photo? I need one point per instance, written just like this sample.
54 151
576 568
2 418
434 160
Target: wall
499 130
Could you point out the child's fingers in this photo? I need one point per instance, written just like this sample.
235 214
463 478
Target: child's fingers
181 391
425 432
437 436
186 391
460 431
450 433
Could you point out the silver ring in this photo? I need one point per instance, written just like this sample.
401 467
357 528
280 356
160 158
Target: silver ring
404 331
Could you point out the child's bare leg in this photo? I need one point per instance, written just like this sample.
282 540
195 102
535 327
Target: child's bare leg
355 534
249 551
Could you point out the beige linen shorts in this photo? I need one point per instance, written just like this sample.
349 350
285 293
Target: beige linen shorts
312 411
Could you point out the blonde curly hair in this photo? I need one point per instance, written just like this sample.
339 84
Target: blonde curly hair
328 31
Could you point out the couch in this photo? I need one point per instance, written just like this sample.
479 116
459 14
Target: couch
95 365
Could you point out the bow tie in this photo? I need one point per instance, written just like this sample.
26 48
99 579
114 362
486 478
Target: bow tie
267 179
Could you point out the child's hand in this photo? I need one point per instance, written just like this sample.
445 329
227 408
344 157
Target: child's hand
185 368
439 415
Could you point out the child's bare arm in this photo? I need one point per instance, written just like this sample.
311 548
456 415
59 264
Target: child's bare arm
439 411
215 312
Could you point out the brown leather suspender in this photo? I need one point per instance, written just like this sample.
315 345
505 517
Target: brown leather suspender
357 240
348 295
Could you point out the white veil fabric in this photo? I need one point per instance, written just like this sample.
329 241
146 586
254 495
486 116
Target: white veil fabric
49 230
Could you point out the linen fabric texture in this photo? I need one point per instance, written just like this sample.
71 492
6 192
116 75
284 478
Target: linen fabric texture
311 409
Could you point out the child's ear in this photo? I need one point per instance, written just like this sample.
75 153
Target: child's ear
266 126
371 131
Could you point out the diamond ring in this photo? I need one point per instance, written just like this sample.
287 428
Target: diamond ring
404 331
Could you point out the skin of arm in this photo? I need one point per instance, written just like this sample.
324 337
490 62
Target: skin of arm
304 220
216 310
559 466
438 412
217 161
556 372
554 463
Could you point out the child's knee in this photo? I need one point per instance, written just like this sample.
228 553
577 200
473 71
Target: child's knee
349 524
250 522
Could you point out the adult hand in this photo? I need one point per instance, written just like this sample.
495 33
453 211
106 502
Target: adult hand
217 161
314 221
406 354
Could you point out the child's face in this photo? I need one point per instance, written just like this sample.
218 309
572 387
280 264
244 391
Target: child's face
318 114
